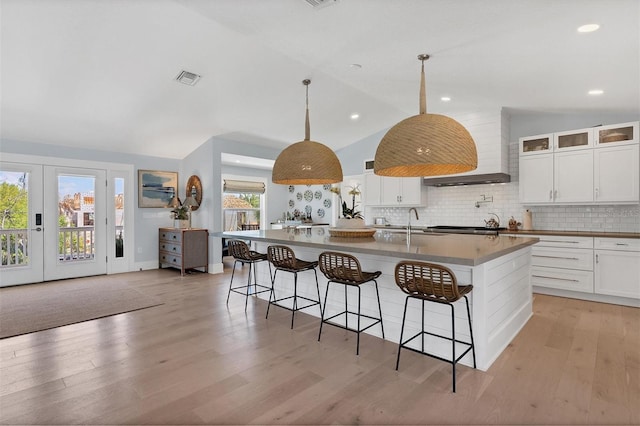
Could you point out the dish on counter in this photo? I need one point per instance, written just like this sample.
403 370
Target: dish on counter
352 232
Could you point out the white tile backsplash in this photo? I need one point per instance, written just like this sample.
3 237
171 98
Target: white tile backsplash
456 206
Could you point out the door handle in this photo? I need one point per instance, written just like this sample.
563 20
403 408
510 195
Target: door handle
38 229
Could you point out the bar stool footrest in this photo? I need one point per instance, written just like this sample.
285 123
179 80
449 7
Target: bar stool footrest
420 333
244 293
312 303
344 327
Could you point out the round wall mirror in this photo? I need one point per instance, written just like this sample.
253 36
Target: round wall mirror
194 189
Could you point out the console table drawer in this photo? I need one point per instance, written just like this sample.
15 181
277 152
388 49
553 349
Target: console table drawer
170 248
174 236
171 259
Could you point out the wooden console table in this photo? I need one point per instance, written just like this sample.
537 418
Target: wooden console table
183 248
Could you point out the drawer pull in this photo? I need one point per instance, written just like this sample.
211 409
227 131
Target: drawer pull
554 278
555 257
622 244
556 241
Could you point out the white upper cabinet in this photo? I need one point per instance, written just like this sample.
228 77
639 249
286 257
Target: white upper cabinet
393 191
539 144
573 140
616 177
588 166
536 179
616 134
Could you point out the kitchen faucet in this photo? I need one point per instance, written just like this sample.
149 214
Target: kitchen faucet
409 224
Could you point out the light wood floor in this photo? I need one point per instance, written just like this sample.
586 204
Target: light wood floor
195 360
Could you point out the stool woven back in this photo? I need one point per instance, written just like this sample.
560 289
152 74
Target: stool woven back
340 267
282 257
239 249
427 281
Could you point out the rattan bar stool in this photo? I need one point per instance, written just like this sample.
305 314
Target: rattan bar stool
429 282
342 268
243 254
284 259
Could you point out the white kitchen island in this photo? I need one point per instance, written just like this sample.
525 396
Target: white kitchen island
497 266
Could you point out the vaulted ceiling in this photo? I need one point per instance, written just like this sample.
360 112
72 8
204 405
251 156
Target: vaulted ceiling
101 74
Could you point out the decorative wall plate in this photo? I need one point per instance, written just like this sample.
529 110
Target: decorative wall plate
327 203
194 189
320 212
292 203
307 209
326 186
317 195
308 195
292 188
299 196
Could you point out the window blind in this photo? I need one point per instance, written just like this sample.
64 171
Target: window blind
243 186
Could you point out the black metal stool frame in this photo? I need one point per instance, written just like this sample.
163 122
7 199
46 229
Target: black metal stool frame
356 281
289 266
403 344
246 256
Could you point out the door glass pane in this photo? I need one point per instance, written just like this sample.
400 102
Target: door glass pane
119 215
76 215
14 211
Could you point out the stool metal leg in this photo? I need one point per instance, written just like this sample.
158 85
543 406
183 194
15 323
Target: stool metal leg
322 310
404 316
379 308
246 299
473 346
273 291
422 337
358 332
453 345
231 283
295 297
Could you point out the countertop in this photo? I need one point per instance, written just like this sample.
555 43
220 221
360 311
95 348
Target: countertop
420 228
574 233
461 249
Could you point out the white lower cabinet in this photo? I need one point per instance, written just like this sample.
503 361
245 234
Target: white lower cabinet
564 263
617 267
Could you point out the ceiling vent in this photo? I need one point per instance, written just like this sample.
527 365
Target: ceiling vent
320 3
188 78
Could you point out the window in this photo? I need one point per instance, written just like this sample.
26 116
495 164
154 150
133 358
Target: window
242 204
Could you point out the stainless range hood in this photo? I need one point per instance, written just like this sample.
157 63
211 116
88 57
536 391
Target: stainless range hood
467 179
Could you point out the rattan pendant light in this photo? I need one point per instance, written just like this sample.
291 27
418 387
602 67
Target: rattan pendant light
306 162
425 144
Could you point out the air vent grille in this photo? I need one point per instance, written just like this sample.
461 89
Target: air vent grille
320 3
188 78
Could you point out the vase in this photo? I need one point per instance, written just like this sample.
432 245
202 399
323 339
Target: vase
345 223
181 223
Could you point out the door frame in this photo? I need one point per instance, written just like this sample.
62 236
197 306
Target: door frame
114 170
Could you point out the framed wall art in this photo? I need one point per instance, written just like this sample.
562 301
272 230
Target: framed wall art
156 188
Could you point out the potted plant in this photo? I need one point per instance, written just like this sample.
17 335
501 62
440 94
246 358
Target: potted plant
351 218
180 216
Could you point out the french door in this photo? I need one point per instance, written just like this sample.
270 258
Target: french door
74 222
53 224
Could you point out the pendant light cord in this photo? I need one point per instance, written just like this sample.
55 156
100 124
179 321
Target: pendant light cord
423 90
307 127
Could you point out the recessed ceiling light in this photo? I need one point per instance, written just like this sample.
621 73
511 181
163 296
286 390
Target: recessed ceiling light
445 99
596 92
588 28
355 116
